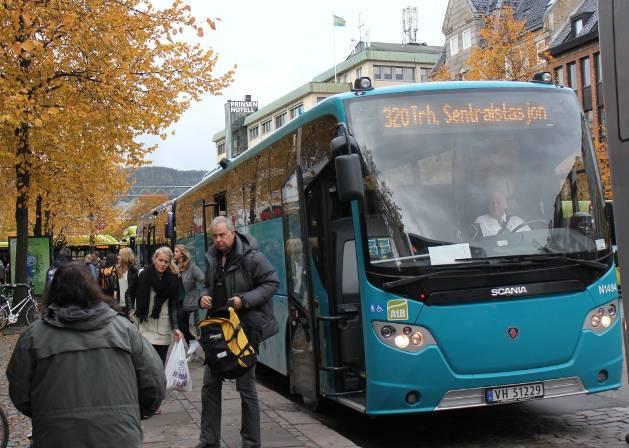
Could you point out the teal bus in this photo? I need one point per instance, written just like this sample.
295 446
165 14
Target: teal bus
392 300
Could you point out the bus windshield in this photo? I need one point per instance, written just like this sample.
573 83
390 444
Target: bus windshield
461 175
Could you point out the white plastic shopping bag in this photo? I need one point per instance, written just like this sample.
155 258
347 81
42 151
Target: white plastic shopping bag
177 372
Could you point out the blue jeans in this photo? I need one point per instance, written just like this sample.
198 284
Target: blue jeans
211 410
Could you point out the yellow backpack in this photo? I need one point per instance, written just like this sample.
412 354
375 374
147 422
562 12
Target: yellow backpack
228 352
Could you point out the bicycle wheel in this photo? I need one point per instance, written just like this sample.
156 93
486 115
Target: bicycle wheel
4 315
4 430
32 313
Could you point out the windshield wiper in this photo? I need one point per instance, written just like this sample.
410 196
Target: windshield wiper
596 264
408 280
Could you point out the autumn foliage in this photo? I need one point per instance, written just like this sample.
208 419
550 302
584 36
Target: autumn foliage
507 52
81 80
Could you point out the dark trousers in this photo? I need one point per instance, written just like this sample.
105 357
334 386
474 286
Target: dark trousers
183 320
162 351
211 410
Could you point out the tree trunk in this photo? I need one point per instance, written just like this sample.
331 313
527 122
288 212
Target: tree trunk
39 225
23 181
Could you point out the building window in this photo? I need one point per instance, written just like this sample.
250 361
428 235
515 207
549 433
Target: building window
220 148
280 120
454 45
572 75
466 39
424 74
578 27
321 98
296 111
586 76
394 73
559 76
266 127
598 70
253 133
359 72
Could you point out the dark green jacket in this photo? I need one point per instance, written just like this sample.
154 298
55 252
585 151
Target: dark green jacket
84 377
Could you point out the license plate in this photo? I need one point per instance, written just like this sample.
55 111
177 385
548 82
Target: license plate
514 393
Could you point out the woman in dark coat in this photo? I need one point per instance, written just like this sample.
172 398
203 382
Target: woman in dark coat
155 301
83 373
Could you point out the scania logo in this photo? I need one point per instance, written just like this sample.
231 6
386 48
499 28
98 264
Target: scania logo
513 332
509 291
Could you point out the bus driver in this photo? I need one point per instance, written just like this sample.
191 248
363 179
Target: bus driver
497 220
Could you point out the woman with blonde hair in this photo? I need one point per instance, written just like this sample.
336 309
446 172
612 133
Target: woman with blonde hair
154 301
191 277
127 276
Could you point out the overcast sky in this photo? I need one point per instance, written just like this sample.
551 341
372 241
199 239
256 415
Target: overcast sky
279 45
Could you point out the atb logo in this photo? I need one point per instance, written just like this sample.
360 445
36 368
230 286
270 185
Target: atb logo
397 309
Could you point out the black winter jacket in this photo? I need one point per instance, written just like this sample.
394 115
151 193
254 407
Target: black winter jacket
143 289
250 276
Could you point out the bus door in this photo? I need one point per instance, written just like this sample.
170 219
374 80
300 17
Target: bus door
333 254
301 356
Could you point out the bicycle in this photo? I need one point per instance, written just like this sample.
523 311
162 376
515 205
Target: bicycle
4 429
10 314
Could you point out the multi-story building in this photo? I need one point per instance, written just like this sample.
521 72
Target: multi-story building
464 20
385 63
577 62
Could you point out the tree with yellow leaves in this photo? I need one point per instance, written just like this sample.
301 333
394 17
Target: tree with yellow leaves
131 216
92 75
507 52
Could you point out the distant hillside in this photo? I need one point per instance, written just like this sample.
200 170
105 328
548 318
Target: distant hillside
158 175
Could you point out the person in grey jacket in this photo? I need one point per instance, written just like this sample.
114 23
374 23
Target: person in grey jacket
191 277
240 276
83 373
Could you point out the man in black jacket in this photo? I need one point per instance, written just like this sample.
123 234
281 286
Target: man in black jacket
240 276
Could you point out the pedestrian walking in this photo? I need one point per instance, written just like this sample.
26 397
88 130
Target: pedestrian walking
191 278
64 257
90 266
83 373
126 277
107 275
154 303
240 276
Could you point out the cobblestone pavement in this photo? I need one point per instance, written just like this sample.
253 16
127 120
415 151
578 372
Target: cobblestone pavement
581 422
283 423
19 425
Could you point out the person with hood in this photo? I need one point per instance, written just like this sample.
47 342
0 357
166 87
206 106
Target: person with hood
240 276
83 373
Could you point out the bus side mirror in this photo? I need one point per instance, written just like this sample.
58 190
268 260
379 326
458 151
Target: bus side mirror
349 179
340 145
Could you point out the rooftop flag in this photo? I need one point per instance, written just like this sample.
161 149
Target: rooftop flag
339 21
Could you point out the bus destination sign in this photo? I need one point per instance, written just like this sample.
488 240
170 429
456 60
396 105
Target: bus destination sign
467 114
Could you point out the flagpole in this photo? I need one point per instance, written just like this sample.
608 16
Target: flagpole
334 46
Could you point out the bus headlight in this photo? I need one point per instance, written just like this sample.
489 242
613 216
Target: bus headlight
602 317
386 331
417 338
611 310
410 338
401 341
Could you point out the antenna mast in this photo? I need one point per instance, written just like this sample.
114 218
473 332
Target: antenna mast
409 24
